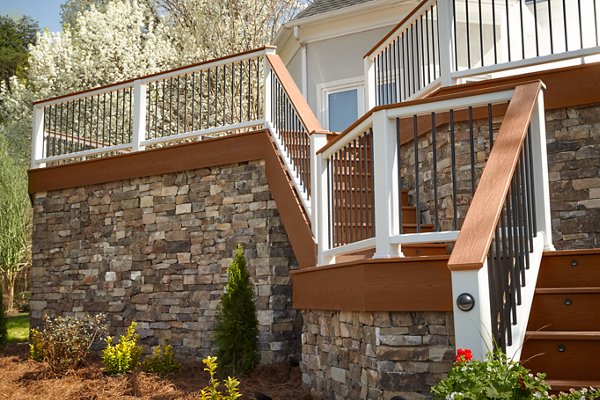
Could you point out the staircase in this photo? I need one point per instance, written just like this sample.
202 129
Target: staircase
563 335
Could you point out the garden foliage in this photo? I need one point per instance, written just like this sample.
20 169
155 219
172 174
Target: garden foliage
211 391
497 377
236 335
64 342
162 360
124 356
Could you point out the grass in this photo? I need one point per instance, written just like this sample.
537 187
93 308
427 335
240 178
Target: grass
18 328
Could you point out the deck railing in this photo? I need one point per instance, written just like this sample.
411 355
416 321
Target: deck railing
496 258
444 42
242 92
433 150
474 176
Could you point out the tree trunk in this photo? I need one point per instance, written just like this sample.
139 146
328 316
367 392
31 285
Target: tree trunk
10 282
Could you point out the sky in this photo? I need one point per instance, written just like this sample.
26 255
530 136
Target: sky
45 12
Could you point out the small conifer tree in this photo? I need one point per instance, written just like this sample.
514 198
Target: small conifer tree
3 329
236 334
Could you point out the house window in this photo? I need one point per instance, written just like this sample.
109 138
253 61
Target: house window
340 103
343 109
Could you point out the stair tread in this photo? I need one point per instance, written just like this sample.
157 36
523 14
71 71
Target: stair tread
559 384
563 335
565 290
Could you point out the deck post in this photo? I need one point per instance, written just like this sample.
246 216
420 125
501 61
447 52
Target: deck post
446 35
317 141
267 88
473 328
385 185
540 171
139 115
37 142
369 68
320 195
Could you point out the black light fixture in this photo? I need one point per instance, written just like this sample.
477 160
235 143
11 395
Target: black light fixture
465 302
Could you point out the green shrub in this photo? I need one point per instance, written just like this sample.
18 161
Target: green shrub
162 360
211 391
3 328
124 356
64 342
236 332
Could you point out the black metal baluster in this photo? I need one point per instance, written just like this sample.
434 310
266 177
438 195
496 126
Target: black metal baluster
480 33
185 103
535 19
508 31
565 25
468 43
417 180
472 151
580 23
494 31
532 188
550 23
455 35
522 30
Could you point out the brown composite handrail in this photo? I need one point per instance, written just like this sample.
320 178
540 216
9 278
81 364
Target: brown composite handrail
477 232
296 98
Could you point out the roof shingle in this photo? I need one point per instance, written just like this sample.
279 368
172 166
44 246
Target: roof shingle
323 6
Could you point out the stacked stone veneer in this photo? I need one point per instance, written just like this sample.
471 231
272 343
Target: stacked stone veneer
366 355
573 136
155 250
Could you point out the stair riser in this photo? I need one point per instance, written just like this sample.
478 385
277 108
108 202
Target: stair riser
559 271
579 361
551 313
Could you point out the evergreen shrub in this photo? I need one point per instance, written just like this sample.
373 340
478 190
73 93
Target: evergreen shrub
236 335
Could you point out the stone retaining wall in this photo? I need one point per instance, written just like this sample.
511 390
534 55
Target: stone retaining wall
155 250
364 355
573 136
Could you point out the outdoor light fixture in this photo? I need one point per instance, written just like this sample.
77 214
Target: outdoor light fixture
465 302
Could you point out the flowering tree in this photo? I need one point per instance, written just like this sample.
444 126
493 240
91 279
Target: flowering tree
205 29
118 42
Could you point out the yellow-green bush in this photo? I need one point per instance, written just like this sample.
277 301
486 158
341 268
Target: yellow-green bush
162 360
211 391
124 356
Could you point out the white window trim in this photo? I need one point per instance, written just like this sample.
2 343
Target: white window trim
341 85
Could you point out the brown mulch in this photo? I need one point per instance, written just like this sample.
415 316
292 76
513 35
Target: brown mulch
23 379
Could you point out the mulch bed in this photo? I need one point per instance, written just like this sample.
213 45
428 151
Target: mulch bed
23 379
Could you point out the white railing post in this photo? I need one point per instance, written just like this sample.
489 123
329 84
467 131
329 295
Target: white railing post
385 185
540 172
317 141
320 195
268 72
473 328
37 137
446 35
139 115
369 68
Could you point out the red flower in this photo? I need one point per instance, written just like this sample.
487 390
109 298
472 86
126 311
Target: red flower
463 355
